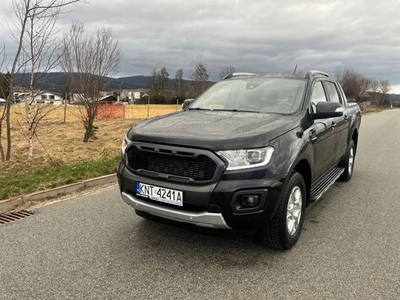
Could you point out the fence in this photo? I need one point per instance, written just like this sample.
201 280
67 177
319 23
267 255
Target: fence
106 111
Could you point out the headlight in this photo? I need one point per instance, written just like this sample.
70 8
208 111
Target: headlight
244 159
125 143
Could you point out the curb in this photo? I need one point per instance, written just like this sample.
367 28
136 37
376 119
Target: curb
9 204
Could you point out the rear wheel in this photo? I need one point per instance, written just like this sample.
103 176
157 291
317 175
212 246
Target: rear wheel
348 163
283 231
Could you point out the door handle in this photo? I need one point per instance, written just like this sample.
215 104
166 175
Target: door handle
313 137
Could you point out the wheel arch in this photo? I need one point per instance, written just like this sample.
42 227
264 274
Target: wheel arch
354 137
303 167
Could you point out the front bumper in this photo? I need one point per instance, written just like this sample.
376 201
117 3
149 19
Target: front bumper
212 205
203 219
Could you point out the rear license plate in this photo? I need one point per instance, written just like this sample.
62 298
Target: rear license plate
159 193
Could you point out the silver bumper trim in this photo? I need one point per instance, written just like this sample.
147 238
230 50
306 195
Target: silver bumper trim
203 219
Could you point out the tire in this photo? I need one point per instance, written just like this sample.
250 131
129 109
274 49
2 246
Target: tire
283 231
348 163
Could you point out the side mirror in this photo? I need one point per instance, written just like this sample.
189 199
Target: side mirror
328 110
186 103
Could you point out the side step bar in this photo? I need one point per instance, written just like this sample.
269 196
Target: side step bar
323 184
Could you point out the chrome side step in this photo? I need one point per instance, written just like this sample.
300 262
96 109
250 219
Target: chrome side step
323 184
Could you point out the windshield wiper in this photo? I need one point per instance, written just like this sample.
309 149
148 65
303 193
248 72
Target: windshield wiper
198 108
237 110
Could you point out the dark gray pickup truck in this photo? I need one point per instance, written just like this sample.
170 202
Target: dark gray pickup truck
249 153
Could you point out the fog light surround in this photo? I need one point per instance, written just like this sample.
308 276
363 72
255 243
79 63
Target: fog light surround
246 201
250 200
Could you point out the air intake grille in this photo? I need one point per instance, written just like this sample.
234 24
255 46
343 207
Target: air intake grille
198 168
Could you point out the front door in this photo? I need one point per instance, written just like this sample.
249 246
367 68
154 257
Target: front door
322 135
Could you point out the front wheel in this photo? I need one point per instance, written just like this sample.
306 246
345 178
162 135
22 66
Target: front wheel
283 231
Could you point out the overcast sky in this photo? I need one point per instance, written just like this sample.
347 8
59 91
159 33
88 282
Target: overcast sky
262 36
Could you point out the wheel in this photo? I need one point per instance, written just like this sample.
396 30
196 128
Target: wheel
348 163
284 229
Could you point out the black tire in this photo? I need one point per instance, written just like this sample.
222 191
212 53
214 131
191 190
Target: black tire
348 163
279 232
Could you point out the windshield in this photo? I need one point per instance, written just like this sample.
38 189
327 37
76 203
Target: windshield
264 95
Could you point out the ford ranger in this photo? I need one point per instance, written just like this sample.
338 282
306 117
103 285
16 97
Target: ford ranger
250 153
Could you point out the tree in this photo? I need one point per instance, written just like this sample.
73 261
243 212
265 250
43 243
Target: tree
4 94
164 80
159 83
155 82
353 83
34 19
384 88
40 55
200 77
88 60
226 71
180 87
178 80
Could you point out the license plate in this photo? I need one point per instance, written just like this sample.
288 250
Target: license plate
159 193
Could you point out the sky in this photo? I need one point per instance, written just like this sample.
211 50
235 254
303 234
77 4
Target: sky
261 36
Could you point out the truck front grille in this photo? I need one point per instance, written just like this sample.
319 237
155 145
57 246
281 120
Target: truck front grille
180 164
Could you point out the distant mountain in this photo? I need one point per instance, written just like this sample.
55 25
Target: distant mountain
56 81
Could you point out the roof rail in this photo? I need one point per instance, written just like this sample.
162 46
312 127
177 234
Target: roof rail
316 72
237 74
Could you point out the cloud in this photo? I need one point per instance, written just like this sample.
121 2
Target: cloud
257 36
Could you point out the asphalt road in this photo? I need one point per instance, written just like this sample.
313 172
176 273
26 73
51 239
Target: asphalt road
93 246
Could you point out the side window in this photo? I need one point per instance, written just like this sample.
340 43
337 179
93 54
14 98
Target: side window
332 92
318 95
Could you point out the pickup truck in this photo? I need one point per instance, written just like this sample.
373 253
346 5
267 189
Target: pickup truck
250 153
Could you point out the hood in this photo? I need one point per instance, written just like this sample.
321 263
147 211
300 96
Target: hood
214 130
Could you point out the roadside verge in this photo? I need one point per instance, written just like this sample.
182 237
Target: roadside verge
9 204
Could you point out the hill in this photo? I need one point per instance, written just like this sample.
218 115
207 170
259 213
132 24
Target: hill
56 81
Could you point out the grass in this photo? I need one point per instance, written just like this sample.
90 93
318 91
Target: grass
60 157
50 177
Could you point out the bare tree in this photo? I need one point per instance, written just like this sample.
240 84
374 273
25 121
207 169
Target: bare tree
374 88
354 84
41 54
4 91
164 80
226 71
159 81
31 16
384 88
89 60
178 80
155 82
200 77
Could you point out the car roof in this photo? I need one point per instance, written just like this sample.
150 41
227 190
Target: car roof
308 75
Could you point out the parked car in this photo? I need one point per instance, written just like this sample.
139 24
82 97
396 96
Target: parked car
249 153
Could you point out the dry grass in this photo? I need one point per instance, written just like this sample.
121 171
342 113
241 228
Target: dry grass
59 143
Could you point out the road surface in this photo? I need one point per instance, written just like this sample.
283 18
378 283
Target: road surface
93 246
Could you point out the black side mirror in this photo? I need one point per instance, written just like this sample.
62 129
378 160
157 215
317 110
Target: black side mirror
186 103
328 110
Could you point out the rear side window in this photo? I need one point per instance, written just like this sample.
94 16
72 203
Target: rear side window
332 92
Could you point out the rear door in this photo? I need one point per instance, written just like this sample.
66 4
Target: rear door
341 123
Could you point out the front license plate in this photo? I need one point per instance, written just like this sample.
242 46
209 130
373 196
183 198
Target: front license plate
159 193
